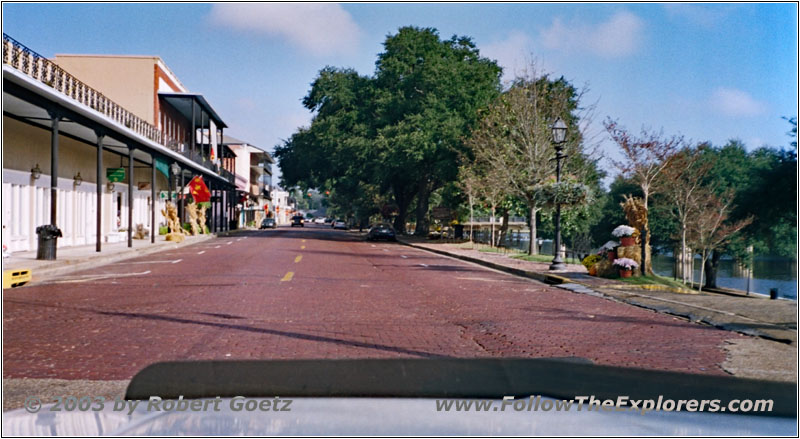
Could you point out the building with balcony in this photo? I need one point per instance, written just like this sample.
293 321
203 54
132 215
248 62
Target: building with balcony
96 144
253 176
285 205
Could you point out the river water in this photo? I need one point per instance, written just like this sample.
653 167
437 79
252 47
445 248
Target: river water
768 272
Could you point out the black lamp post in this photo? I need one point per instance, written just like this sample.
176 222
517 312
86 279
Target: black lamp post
559 136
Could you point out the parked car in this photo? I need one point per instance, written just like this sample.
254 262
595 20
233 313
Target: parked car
340 224
268 223
298 220
319 220
381 231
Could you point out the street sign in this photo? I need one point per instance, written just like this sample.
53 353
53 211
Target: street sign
441 213
115 175
163 195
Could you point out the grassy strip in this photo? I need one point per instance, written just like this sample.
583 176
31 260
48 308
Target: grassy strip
653 280
544 258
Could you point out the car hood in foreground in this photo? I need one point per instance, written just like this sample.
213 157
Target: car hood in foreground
399 397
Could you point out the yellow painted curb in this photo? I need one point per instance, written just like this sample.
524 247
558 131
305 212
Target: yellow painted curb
655 288
16 278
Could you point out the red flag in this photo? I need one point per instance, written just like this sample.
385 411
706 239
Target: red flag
200 191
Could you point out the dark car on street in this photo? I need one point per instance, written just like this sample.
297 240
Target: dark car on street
298 220
381 231
268 223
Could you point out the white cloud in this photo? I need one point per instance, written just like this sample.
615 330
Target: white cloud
737 103
515 54
706 15
320 28
511 53
616 37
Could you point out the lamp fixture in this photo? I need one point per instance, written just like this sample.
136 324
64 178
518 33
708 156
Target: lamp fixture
110 186
36 172
559 131
77 179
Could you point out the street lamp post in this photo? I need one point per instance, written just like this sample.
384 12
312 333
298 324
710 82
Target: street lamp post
559 129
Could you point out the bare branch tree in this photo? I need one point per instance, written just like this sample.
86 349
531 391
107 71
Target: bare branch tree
710 229
514 136
644 159
681 182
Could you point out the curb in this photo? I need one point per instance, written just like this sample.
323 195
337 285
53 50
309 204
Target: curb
550 279
654 288
43 274
578 287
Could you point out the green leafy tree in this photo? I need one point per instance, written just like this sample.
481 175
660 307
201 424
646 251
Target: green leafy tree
430 91
400 130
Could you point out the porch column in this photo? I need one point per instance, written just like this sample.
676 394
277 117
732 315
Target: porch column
211 206
194 132
153 227
56 118
225 210
202 137
130 195
180 200
100 138
169 183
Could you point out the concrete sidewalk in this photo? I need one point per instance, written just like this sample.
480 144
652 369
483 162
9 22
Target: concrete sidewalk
70 259
752 315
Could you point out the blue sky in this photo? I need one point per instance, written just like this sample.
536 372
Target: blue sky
707 71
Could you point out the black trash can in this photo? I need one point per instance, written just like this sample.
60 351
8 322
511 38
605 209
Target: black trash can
459 231
48 234
773 293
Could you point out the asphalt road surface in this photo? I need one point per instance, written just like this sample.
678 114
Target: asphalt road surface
318 293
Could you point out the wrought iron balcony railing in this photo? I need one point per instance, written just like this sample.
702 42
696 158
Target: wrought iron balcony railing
37 67
49 73
227 175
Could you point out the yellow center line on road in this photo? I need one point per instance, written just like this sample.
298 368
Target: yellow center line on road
302 247
302 240
288 276
298 258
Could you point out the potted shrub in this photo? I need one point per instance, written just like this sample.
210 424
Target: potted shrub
608 250
590 261
625 235
626 266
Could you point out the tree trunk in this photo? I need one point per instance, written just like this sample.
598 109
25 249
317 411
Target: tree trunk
711 268
471 218
683 252
400 219
503 228
423 196
645 239
702 272
645 234
491 226
533 249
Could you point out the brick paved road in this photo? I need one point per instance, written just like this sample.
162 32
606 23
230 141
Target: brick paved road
231 298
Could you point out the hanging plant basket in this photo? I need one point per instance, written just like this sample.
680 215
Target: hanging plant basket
565 193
